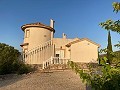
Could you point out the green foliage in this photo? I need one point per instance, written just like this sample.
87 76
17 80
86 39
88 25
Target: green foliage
9 62
117 45
109 55
115 55
116 6
20 68
116 59
111 25
24 69
8 55
109 48
103 60
100 78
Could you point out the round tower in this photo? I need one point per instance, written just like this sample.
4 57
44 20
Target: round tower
36 34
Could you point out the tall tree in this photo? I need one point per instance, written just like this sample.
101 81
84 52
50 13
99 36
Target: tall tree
109 49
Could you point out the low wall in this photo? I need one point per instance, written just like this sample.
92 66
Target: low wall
86 65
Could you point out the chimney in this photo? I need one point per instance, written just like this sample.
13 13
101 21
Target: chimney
52 26
52 23
64 36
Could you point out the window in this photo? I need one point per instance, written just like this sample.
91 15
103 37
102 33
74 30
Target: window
27 34
25 50
57 55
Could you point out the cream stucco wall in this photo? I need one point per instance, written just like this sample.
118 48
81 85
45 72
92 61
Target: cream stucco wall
84 51
61 42
37 36
38 51
67 52
60 47
37 45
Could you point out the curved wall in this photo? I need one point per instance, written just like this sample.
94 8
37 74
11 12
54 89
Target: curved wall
36 36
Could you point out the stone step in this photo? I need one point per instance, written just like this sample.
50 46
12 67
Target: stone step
53 70
57 66
50 68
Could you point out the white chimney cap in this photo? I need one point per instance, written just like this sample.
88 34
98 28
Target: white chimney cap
52 23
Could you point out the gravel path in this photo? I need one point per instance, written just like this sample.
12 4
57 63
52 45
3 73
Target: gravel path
55 80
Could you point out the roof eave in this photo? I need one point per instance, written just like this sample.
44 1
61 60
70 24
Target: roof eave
37 25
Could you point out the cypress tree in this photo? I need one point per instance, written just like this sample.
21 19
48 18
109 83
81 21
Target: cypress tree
109 48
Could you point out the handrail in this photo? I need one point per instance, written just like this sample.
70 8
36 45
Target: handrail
35 50
41 45
54 60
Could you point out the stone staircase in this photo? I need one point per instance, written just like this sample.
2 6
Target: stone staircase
45 53
39 54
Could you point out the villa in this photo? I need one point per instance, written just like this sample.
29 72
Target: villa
41 48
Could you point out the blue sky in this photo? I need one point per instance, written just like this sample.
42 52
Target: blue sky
76 18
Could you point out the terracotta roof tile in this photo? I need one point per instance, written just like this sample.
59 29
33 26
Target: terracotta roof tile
38 24
79 40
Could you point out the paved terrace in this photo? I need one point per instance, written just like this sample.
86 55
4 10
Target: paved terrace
55 80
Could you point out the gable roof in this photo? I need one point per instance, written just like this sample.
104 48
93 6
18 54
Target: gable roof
75 40
61 41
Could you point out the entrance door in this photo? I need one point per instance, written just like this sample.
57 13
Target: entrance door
60 53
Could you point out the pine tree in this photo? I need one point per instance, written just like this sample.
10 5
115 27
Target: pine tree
109 48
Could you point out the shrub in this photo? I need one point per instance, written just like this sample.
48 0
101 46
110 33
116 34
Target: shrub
8 55
103 77
9 62
21 68
24 69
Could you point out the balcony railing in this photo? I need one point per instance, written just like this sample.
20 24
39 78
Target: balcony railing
54 60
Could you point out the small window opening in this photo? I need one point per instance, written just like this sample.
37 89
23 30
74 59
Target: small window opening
27 33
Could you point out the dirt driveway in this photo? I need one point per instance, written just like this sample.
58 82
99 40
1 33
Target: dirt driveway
54 80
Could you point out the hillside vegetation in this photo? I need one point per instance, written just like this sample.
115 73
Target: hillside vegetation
116 58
